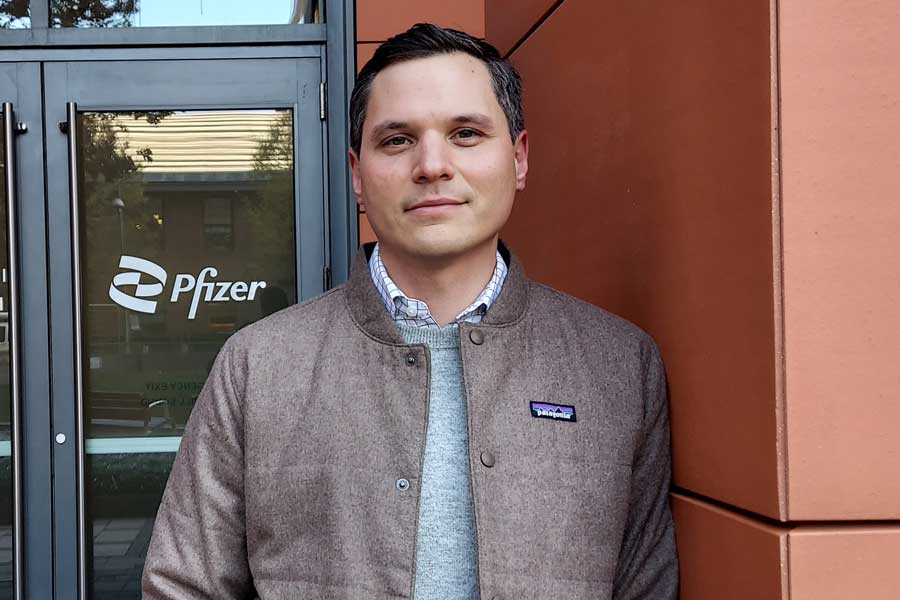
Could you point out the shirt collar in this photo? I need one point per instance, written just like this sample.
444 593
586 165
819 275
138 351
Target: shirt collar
414 312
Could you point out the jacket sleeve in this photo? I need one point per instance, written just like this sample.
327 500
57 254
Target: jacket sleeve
198 549
648 563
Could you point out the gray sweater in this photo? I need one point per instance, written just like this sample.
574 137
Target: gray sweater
446 547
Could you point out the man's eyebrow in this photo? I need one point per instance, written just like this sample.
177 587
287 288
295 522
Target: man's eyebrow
479 119
386 126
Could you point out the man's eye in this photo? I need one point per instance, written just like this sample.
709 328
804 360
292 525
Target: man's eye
396 141
467 137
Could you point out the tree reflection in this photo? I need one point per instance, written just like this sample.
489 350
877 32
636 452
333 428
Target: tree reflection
113 199
13 14
270 211
92 13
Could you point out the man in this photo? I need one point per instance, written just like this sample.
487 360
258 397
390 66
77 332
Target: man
440 427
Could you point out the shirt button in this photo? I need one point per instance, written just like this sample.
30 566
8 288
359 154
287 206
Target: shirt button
402 485
487 459
410 359
410 311
477 337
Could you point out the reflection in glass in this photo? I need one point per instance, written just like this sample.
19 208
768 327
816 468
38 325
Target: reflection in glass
187 229
15 14
162 13
6 475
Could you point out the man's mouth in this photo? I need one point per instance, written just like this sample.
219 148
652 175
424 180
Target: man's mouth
435 202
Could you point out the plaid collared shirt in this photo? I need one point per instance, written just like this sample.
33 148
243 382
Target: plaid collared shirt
415 313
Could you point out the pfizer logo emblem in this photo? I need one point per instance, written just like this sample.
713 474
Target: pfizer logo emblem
132 279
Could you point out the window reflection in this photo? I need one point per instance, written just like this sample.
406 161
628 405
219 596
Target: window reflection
187 222
162 13
15 14
125 492
188 231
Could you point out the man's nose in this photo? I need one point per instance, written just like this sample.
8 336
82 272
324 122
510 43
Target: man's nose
433 161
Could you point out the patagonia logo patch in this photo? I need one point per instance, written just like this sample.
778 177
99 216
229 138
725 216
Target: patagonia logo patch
557 412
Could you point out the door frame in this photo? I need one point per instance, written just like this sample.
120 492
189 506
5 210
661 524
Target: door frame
273 82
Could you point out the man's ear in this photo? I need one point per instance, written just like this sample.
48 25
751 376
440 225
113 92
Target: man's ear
521 159
357 181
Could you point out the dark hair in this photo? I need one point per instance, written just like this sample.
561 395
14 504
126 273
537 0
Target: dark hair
423 40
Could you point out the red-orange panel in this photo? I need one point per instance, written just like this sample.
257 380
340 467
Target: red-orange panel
364 52
724 555
838 563
649 194
841 181
507 21
377 20
365 230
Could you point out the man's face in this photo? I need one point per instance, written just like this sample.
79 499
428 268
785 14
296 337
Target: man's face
437 171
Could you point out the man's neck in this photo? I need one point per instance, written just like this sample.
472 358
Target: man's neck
447 285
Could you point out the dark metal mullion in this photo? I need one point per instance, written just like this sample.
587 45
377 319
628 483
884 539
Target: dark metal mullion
340 56
32 345
12 201
71 119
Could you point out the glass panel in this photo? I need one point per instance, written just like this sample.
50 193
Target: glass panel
187 236
15 14
6 475
160 13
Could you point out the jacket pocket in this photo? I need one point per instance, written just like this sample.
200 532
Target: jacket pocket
553 518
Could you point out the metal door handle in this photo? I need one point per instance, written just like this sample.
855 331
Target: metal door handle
71 130
10 130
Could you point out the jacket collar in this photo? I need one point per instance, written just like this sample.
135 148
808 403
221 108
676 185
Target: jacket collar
367 308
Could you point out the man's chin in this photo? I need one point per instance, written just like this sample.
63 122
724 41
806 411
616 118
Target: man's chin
438 249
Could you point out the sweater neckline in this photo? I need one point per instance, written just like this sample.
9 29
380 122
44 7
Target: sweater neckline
445 338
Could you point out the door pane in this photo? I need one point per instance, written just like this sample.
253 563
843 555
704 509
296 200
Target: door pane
15 14
161 13
6 475
187 229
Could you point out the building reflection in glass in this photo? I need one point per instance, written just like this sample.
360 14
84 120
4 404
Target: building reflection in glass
187 229
164 13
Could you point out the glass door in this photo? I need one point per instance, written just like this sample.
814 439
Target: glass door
186 202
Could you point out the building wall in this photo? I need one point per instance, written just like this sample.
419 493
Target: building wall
840 176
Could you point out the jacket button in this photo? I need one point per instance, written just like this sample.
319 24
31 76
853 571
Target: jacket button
410 359
487 459
402 485
477 337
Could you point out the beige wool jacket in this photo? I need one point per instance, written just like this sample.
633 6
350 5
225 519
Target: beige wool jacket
287 483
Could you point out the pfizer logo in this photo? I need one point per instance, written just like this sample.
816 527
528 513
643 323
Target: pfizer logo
132 280
202 287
